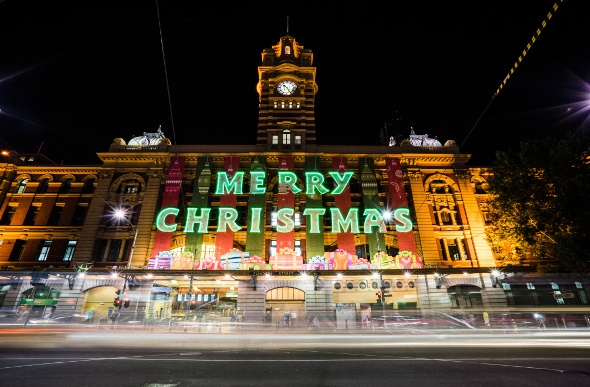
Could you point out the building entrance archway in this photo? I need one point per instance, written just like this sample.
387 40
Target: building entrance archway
285 306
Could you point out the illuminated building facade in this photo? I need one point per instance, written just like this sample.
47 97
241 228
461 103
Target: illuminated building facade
283 225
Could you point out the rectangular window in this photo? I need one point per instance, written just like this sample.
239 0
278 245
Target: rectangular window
283 104
17 250
101 250
275 139
44 252
32 215
69 253
79 215
275 104
290 104
114 250
55 215
298 139
130 189
286 138
8 215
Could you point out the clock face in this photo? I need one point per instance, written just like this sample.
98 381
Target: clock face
286 87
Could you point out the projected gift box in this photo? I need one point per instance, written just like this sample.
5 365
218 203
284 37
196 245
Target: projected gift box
286 259
183 263
408 260
233 259
161 261
383 261
317 263
254 263
361 264
340 259
208 263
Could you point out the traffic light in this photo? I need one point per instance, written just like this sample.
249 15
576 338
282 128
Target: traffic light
117 301
193 305
378 297
126 303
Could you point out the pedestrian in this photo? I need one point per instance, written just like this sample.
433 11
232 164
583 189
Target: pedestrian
309 322
114 316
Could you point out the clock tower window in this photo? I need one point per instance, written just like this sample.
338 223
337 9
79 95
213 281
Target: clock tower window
283 104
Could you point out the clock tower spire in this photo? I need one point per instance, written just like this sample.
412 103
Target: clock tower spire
286 89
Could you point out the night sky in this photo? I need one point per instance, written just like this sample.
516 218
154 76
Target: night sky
74 75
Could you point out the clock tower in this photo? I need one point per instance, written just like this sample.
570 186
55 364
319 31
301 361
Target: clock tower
286 88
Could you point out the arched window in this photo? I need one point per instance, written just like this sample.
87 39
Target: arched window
444 205
21 185
88 186
66 185
287 50
43 186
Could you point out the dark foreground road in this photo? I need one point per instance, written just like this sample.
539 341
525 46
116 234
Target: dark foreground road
146 358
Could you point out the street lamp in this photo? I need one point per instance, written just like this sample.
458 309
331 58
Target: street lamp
123 215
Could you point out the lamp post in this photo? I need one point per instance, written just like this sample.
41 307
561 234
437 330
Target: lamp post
123 215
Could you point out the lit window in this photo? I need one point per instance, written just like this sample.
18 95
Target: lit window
290 104
275 139
283 104
69 250
287 50
276 105
286 137
21 186
298 140
44 251
298 104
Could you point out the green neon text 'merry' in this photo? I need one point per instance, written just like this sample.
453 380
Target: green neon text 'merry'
197 220
314 182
